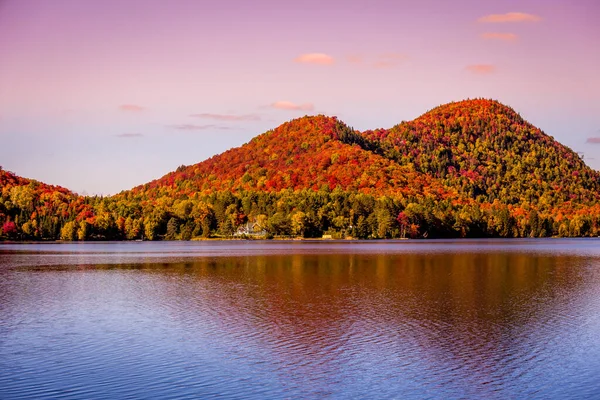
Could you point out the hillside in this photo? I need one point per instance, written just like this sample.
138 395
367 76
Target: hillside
31 209
473 168
306 153
487 151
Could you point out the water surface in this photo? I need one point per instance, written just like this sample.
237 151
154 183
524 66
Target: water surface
398 319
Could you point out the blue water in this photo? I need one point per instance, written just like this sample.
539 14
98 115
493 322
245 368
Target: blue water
394 319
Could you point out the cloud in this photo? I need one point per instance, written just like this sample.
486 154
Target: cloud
510 17
389 60
288 105
593 140
193 127
508 37
129 135
386 60
354 59
228 117
131 107
315 58
481 69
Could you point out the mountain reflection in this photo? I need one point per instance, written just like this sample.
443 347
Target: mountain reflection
412 324
477 315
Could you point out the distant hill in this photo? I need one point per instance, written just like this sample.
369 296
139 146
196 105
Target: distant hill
31 209
471 168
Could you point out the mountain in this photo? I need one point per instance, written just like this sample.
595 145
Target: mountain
306 153
487 151
469 168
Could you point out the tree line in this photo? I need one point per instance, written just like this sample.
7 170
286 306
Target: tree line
305 213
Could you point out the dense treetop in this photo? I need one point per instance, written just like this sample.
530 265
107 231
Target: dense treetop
306 153
29 208
487 151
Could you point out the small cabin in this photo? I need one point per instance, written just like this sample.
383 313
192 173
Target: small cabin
250 229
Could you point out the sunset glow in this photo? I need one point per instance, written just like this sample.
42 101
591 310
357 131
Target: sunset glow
102 96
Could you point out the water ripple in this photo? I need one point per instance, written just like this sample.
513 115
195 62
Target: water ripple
345 324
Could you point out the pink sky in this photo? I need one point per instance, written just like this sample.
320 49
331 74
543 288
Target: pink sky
100 96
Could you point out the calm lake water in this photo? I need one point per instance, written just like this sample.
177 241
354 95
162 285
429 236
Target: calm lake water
491 319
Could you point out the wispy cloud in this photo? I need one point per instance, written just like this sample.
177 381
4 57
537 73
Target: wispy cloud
386 60
228 117
288 105
194 127
355 59
510 17
129 135
481 69
507 37
389 60
593 140
131 107
315 58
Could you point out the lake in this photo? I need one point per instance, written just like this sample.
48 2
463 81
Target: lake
491 319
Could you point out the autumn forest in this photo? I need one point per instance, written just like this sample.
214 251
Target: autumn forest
473 168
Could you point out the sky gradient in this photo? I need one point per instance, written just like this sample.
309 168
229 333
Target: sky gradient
101 96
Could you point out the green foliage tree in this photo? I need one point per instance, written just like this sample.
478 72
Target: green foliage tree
69 231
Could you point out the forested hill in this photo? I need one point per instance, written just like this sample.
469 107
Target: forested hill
488 152
473 168
31 209
312 153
